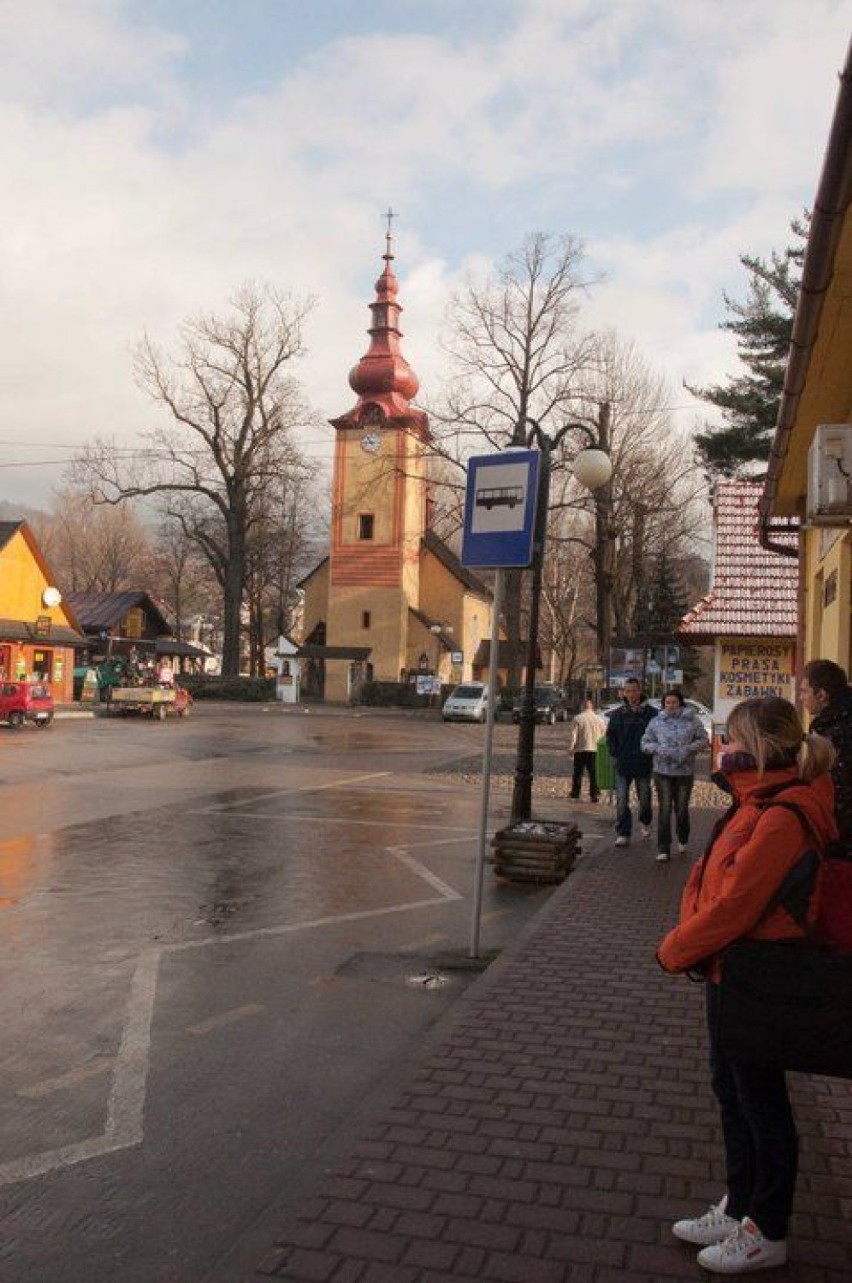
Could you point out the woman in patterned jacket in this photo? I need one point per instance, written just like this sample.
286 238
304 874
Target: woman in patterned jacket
673 739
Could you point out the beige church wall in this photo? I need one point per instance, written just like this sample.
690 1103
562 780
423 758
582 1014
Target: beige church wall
386 633
370 489
411 574
413 516
476 628
441 594
445 599
391 489
315 605
337 681
826 605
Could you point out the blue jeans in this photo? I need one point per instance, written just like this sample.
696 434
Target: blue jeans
673 793
759 1133
623 817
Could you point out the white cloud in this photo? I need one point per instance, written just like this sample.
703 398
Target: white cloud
673 137
60 53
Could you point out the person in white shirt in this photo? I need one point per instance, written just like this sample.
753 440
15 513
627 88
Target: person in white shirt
589 726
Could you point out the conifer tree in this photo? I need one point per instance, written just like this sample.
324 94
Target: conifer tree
763 326
660 609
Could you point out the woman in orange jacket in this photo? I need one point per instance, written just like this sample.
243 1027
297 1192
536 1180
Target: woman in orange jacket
729 895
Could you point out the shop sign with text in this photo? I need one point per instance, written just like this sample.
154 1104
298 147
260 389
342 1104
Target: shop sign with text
748 668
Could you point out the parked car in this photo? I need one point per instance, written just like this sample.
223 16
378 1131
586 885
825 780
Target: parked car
22 702
701 711
550 705
466 703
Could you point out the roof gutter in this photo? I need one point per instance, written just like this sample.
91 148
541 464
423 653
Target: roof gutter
830 205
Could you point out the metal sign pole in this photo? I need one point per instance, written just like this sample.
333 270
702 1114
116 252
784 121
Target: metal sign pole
493 665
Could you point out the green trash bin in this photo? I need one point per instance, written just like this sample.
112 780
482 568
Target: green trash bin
604 767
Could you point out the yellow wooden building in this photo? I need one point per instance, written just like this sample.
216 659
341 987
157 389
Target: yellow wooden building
38 630
391 601
809 479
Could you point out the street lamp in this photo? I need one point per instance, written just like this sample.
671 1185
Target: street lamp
593 468
603 554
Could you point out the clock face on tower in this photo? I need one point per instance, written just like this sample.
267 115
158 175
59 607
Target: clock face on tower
370 442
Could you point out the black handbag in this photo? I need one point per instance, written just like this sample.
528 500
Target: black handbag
787 1003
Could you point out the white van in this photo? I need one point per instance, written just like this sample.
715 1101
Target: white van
466 703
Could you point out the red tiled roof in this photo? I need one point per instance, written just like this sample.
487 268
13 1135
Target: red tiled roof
754 591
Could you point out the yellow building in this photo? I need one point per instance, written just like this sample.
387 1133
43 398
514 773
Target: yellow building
391 601
38 631
809 480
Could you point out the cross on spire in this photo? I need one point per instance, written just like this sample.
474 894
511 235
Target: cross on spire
390 215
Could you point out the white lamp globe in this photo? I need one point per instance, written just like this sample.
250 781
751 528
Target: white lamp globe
593 468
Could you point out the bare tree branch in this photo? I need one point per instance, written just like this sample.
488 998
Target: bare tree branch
232 410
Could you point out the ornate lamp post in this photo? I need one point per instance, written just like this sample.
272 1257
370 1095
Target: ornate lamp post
593 468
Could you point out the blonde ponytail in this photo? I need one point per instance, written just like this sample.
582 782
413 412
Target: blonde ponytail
816 756
770 729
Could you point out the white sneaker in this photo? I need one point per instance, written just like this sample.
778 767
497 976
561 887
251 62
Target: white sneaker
713 1227
645 830
622 841
662 857
680 848
744 1250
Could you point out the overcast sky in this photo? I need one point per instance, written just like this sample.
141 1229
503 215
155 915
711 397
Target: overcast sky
158 153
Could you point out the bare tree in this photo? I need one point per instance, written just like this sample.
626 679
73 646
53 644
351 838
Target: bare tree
564 626
655 499
280 552
232 408
518 358
94 549
181 575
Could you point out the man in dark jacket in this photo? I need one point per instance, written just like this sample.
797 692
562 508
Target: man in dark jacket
825 694
624 734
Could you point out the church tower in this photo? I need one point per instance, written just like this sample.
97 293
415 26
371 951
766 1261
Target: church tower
379 502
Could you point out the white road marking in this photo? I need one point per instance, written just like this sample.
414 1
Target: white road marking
125 1110
308 788
289 928
453 841
345 820
127 1098
401 853
226 1018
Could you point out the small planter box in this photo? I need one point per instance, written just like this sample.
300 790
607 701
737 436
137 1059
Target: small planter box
535 850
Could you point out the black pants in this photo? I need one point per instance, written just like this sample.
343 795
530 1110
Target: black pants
759 1131
673 794
585 762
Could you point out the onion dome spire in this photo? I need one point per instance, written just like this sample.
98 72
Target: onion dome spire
383 376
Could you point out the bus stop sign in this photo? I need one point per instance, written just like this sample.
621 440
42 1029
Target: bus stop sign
499 514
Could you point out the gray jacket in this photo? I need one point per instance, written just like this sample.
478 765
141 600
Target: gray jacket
673 739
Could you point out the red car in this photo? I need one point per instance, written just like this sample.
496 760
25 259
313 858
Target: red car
21 702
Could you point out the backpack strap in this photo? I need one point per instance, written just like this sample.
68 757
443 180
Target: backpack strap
796 891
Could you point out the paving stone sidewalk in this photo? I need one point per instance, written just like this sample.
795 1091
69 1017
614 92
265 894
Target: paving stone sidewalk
563 1119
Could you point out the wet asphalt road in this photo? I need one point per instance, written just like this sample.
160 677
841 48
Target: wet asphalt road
220 937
